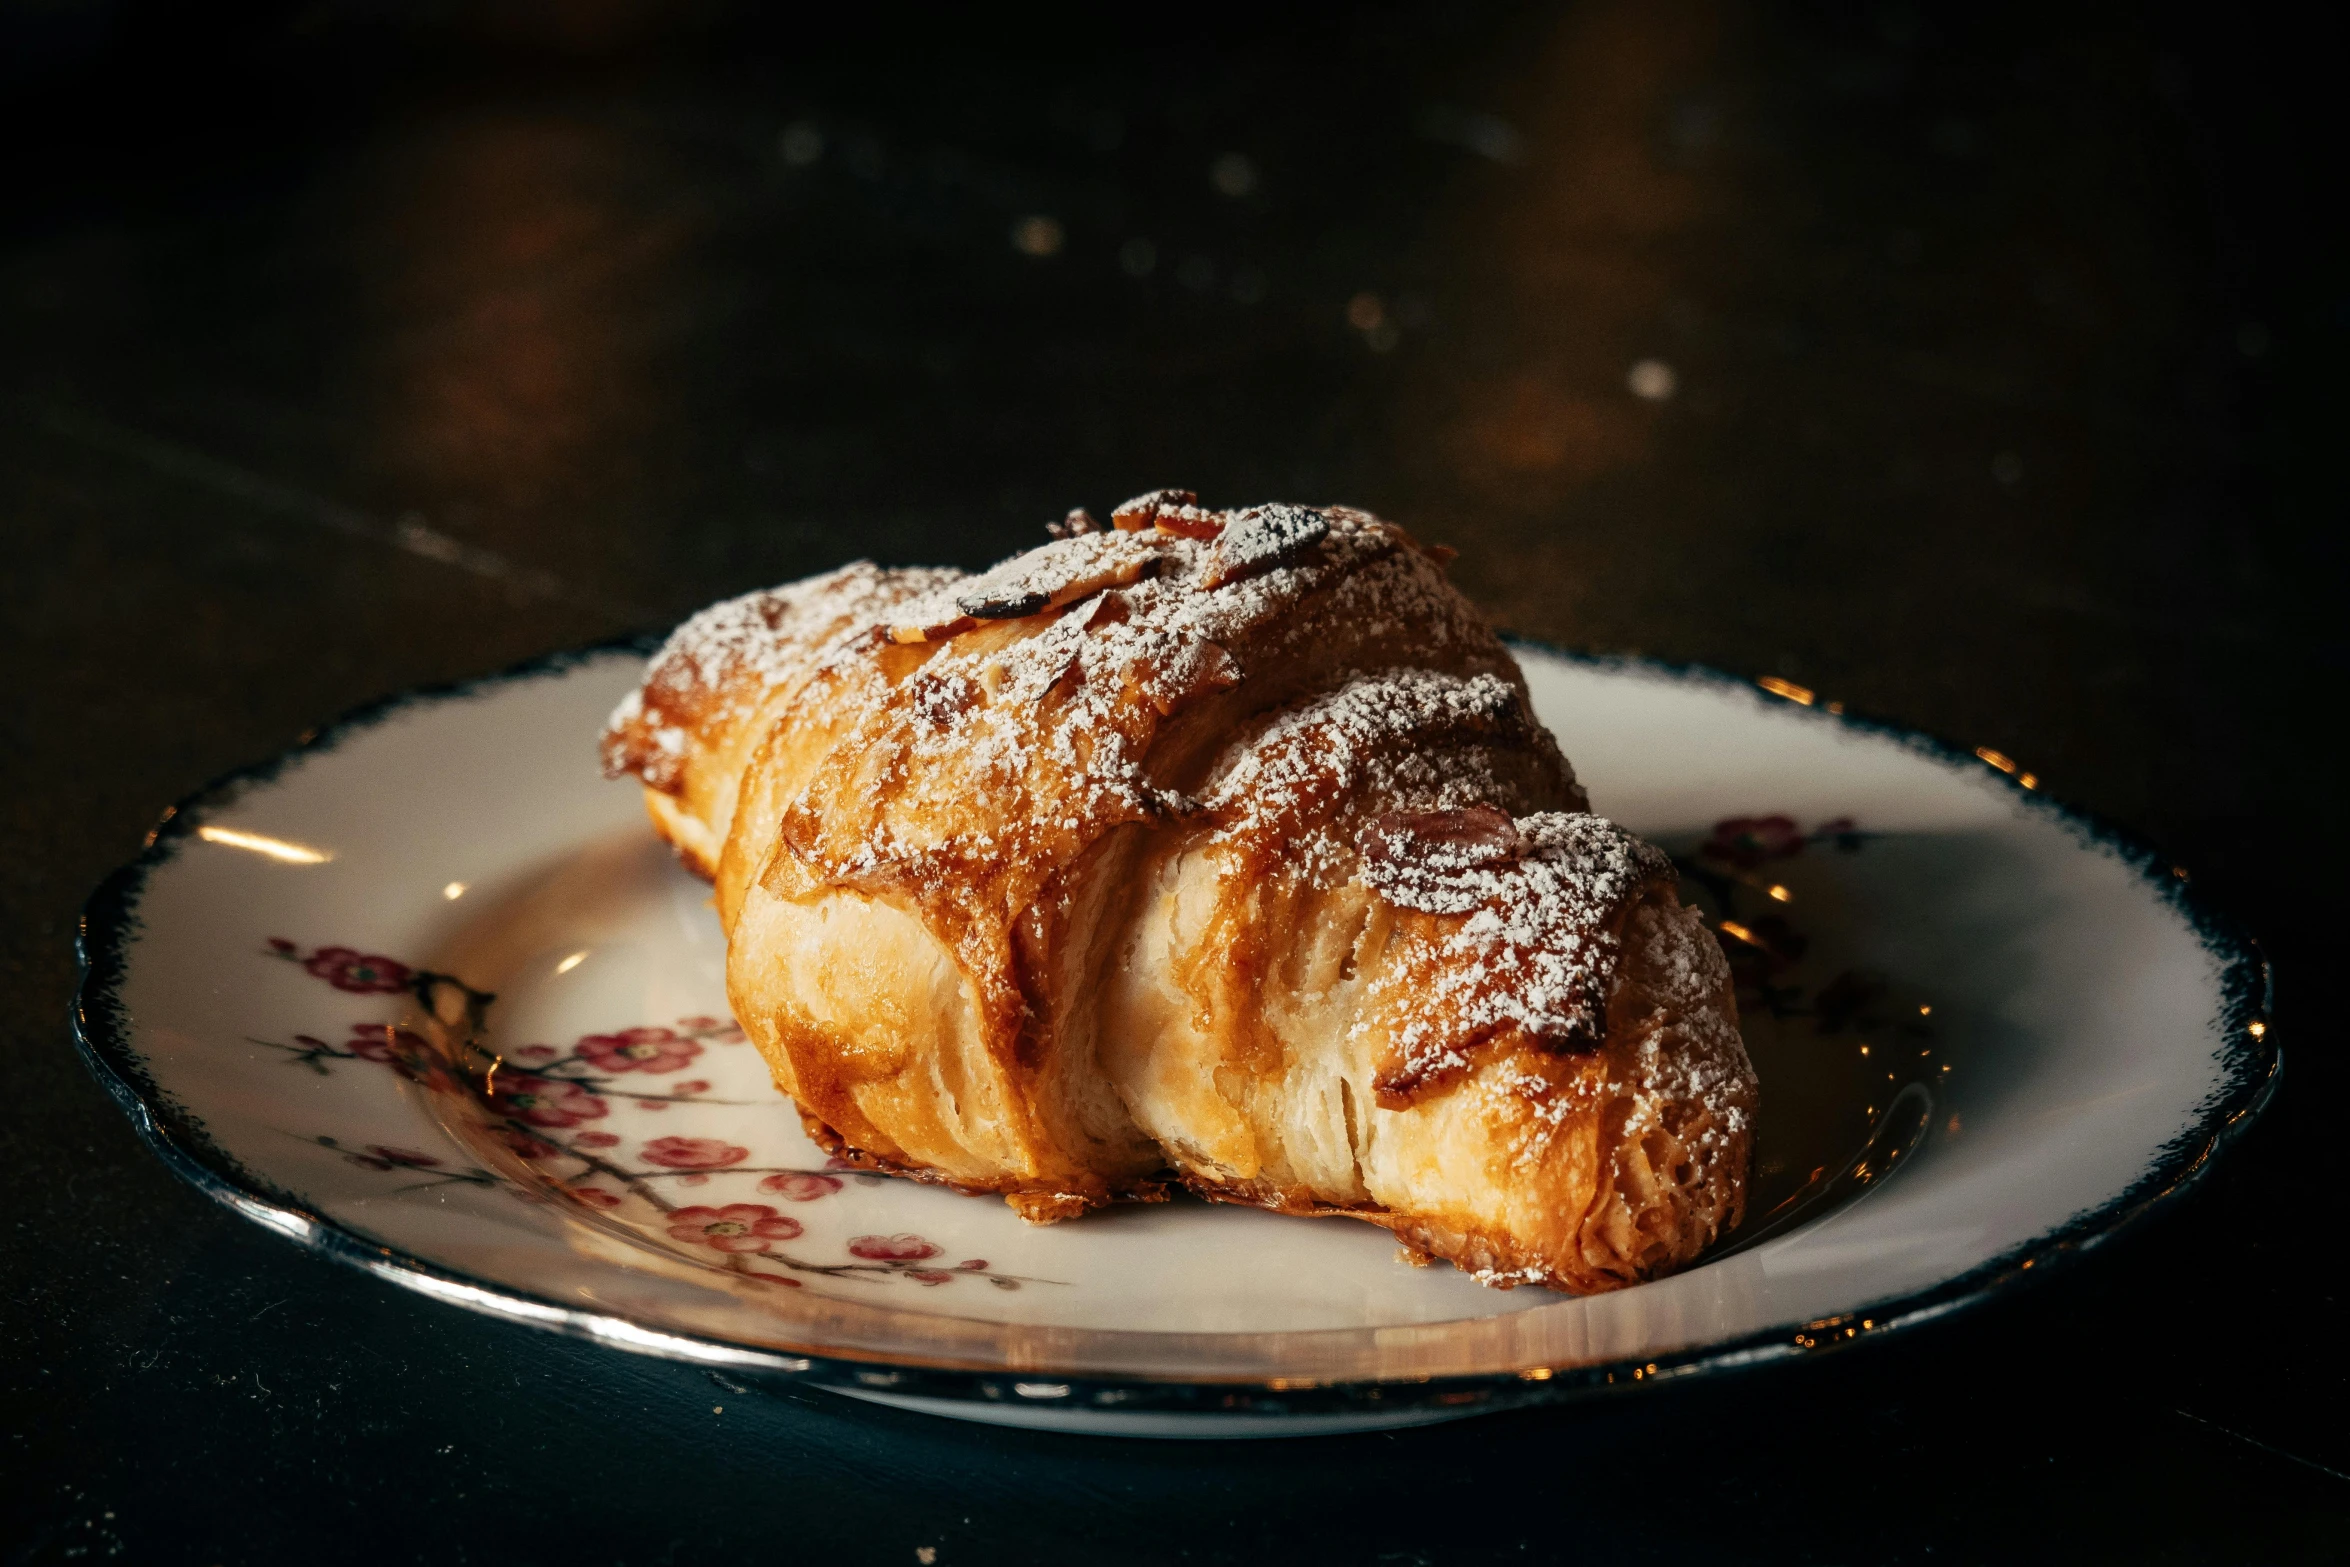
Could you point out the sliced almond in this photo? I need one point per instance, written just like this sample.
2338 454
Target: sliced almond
1263 537
1188 522
931 631
1135 515
1442 862
1196 668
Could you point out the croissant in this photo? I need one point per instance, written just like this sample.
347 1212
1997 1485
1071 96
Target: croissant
1220 848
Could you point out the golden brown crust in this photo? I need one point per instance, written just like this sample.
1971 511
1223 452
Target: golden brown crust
1222 840
713 691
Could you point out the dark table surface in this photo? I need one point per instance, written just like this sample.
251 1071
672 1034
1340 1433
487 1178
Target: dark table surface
345 347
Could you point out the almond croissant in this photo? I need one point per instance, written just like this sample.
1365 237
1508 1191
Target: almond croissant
1218 847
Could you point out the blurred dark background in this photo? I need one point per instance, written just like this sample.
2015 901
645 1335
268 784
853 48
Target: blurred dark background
1978 365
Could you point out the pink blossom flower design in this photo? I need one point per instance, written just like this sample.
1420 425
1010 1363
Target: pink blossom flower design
695 1179
737 1227
597 1140
652 1104
639 1050
347 968
526 1145
893 1248
596 1196
725 1030
694 1153
794 1186
405 1053
545 1101
534 1053
1751 841
929 1276
382 1043
692 1085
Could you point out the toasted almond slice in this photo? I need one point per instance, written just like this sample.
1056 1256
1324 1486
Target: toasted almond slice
1005 602
1264 537
1135 515
1049 577
1188 522
933 631
1429 859
1195 668
1055 574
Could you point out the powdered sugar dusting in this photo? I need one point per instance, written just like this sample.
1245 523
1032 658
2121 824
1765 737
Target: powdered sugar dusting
1379 739
1024 740
1534 949
721 665
1439 861
1049 576
1693 1056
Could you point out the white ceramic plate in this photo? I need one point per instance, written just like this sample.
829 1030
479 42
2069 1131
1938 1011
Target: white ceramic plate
1989 1034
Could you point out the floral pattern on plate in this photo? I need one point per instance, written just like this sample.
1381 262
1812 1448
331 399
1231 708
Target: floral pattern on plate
571 1116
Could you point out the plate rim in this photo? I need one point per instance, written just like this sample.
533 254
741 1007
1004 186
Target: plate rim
2250 1064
